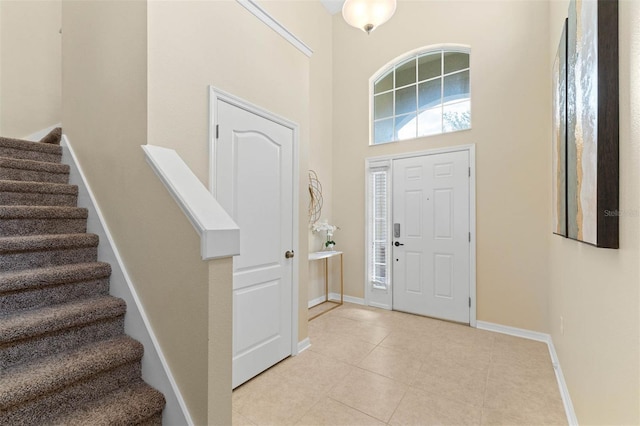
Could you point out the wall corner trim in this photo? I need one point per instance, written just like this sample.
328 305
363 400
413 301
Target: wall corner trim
219 234
253 7
544 338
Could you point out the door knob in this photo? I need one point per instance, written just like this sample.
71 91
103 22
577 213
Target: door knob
397 244
289 254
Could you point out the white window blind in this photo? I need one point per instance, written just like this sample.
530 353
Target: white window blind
379 227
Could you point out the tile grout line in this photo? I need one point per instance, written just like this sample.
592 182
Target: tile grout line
486 381
398 406
356 409
308 410
380 375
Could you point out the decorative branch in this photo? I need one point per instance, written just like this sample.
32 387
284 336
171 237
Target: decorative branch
315 202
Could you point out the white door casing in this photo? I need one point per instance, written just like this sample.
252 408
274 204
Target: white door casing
431 261
253 178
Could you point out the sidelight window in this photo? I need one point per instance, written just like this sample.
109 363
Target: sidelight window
379 241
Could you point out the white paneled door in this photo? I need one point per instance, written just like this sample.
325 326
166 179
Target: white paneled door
254 183
431 240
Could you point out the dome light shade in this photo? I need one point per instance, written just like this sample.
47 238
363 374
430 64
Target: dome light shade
367 15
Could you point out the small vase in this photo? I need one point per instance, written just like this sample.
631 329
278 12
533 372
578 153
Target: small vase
329 247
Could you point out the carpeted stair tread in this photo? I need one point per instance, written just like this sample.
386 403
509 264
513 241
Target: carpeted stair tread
29 381
42 220
42 212
40 251
51 147
45 408
38 187
131 405
36 193
53 137
24 325
33 165
54 275
47 242
28 193
33 171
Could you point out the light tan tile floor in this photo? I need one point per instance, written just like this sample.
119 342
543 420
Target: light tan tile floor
368 366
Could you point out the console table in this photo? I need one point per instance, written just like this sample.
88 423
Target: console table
326 255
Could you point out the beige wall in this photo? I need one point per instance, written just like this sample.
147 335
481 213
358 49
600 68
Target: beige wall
105 117
321 138
596 290
30 68
510 115
196 44
317 33
220 330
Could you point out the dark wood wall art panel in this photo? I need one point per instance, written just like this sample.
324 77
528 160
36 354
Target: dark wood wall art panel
592 122
559 137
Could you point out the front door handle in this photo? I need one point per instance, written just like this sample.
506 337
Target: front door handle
289 254
397 244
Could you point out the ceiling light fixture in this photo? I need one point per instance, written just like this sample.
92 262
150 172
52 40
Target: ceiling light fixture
367 15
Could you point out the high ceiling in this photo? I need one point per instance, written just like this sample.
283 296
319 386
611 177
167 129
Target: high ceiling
333 6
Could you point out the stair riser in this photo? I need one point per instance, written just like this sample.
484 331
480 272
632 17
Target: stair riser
32 175
17 227
44 258
52 295
45 409
30 155
36 199
29 349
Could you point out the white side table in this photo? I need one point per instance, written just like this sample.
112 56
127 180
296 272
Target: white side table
318 255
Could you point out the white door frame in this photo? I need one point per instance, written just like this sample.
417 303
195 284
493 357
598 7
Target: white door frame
471 149
214 96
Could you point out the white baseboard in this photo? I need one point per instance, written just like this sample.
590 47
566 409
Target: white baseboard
316 301
348 299
303 345
545 338
335 297
155 369
564 390
513 331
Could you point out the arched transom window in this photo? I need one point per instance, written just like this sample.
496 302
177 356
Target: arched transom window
425 94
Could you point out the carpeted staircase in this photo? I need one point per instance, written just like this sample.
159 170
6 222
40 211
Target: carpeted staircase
64 357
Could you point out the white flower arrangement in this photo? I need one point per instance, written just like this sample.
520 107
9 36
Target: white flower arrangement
324 226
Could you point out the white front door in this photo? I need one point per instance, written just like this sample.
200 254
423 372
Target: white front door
431 245
254 183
